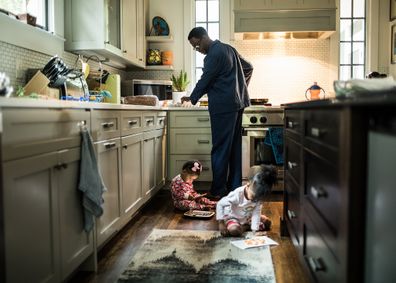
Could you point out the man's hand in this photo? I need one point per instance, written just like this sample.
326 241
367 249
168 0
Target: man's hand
185 98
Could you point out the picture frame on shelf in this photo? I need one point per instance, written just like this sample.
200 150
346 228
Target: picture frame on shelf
392 15
393 44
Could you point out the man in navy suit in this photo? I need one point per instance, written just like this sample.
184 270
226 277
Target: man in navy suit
225 78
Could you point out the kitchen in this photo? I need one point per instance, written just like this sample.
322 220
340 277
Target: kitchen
284 69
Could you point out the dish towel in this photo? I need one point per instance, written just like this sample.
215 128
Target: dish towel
91 183
274 138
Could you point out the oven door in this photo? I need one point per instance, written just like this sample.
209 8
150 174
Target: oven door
254 149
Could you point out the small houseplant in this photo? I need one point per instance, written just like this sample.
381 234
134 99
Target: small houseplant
179 85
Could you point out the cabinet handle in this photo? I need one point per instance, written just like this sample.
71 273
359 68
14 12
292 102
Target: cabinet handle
107 42
124 51
132 122
125 147
108 124
318 192
291 214
316 132
292 124
291 165
202 119
161 121
60 166
316 264
109 144
203 141
149 121
205 168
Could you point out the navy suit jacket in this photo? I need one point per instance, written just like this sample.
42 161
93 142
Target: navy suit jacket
225 78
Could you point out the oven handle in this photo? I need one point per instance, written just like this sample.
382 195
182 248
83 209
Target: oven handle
255 132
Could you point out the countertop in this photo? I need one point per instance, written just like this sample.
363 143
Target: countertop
52 103
369 100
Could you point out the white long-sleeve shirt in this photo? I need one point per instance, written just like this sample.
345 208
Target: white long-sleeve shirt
235 205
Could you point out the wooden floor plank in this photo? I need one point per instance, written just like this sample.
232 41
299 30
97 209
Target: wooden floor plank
160 213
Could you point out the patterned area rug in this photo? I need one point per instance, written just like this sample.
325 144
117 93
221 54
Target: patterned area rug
197 256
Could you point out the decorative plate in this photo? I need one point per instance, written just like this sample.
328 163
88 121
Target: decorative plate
160 26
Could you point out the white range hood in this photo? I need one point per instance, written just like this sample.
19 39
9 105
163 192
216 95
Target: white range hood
286 23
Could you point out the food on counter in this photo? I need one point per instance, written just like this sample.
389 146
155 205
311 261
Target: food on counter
149 100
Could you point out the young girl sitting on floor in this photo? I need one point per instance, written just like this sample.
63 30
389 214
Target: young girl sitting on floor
183 194
241 208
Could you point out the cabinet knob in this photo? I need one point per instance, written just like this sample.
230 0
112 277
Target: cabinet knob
108 125
318 192
291 214
132 122
148 122
291 124
316 132
124 51
291 165
202 119
109 144
203 141
316 264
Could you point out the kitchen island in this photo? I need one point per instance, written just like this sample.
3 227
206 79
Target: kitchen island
338 187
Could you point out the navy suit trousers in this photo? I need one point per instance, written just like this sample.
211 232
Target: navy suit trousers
226 152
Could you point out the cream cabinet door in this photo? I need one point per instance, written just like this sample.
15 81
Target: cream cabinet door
131 173
76 244
160 157
129 29
109 160
31 219
148 163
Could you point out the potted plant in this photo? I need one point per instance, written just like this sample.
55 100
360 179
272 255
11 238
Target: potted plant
179 85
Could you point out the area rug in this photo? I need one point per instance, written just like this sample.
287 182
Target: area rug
197 256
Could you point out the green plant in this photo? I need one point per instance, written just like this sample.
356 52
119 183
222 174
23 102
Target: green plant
180 82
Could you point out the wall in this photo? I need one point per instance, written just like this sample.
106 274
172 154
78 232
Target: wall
284 69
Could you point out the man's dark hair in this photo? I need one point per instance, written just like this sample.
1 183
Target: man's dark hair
197 32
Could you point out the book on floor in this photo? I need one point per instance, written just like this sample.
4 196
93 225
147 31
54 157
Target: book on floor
253 242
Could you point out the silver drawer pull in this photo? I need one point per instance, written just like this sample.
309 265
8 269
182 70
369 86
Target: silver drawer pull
291 165
291 214
203 141
318 192
132 122
316 264
316 132
161 121
108 124
151 121
109 144
202 119
292 124
205 168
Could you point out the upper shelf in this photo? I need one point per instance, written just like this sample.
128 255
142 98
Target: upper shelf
159 38
159 67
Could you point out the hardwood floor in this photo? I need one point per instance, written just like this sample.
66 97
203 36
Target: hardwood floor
159 213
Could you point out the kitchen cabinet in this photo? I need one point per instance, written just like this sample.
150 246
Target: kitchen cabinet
288 4
329 208
110 29
189 138
148 162
42 211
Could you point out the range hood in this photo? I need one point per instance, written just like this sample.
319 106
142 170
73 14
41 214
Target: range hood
287 24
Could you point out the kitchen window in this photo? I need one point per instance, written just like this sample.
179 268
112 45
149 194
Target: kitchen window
34 8
207 15
352 39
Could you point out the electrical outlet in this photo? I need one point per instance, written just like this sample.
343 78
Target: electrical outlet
19 71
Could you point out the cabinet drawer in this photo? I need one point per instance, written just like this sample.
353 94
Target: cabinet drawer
131 122
176 162
161 120
149 121
190 141
28 132
323 126
322 188
293 159
293 124
106 124
319 258
293 212
189 119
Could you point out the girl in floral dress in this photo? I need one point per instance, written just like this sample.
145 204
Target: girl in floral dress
183 194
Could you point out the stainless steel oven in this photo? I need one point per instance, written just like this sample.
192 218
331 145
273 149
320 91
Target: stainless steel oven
256 122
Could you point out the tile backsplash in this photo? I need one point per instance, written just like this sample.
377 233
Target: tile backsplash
283 70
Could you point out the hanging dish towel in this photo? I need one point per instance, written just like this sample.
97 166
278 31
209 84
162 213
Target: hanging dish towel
91 183
274 138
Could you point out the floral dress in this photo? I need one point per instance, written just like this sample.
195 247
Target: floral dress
181 192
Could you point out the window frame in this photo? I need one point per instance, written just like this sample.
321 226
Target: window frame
352 18
49 41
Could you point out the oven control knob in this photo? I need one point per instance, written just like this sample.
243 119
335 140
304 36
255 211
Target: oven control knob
263 119
253 119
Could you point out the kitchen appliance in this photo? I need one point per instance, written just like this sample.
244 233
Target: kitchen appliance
256 121
160 88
